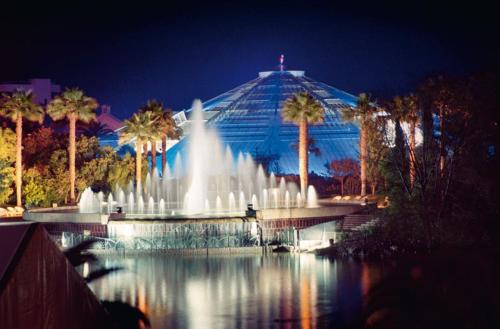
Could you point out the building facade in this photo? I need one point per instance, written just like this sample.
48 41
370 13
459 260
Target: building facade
43 89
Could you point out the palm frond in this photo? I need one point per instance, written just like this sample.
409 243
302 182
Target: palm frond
140 127
100 273
302 106
72 102
21 103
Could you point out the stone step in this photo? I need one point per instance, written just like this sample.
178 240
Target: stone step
355 221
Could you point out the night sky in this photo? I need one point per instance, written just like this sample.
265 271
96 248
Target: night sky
124 54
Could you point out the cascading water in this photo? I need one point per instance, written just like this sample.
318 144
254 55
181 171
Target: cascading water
211 180
198 155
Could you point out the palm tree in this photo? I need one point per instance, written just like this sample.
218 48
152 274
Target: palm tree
75 106
302 109
156 109
141 128
397 112
168 130
17 106
361 114
411 116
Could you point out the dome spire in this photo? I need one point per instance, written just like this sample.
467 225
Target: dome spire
282 61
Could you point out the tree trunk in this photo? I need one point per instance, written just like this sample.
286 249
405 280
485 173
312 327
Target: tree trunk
19 159
153 156
72 155
303 159
373 186
342 186
138 166
412 154
400 147
362 158
163 153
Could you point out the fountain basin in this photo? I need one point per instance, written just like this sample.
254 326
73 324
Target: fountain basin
69 214
119 232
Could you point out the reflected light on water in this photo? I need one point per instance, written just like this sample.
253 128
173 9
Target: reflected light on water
245 291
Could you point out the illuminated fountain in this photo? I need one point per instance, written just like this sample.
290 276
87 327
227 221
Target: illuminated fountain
216 183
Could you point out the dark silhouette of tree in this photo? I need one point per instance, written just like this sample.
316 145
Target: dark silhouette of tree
362 114
95 128
311 147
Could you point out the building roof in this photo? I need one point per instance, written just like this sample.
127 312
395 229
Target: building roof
109 120
248 120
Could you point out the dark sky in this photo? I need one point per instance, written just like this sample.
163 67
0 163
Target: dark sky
124 54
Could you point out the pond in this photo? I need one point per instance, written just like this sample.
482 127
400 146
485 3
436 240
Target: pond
239 291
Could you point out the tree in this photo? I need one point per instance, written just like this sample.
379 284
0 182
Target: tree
376 151
412 117
6 179
141 128
156 109
17 106
166 128
35 187
122 171
95 172
302 109
361 114
7 159
39 145
75 106
96 129
395 109
7 145
341 169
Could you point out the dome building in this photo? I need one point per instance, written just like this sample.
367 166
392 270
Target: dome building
248 120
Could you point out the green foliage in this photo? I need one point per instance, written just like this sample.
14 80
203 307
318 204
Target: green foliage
95 172
87 148
122 171
6 180
453 201
34 188
7 157
72 102
141 127
363 111
164 122
21 104
302 106
46 176
377 151
57 177
7 145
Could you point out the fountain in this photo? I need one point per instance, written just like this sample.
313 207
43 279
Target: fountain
212 181
312 198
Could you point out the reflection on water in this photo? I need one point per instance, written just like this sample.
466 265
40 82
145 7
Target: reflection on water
285 291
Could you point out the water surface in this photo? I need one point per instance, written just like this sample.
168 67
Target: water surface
244 291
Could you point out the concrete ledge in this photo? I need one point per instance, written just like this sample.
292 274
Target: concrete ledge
194 252
332 211
64 216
